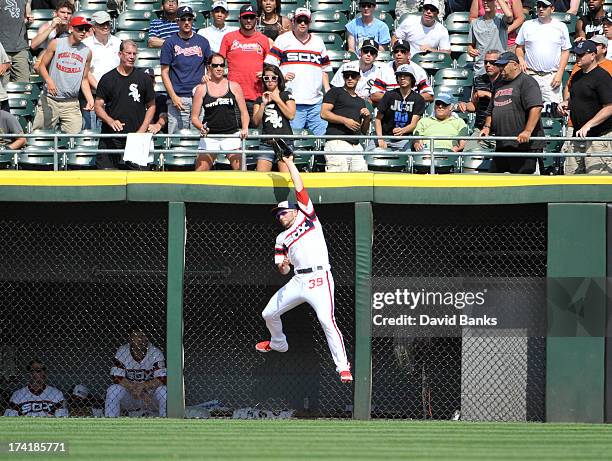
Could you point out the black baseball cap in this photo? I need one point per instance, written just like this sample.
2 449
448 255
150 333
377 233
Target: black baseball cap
247 10
401 45
586 46
369 43
506 57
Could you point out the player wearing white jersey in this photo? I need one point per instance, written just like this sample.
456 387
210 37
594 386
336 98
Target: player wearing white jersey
139 373
37 398
302 244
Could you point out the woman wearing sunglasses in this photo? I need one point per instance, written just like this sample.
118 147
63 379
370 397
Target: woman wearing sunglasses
273 109
225 112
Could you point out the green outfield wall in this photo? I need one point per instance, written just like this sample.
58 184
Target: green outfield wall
573 209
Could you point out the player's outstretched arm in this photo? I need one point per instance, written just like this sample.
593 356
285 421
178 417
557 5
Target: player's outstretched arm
295 174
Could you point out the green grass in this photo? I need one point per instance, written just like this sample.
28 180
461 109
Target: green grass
152 439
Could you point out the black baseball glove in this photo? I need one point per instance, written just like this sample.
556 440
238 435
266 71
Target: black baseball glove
281 148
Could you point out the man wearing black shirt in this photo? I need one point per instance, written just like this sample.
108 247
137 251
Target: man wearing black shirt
481 96
159 123
399 110
591 23
125 102
514 110
346 115
590 107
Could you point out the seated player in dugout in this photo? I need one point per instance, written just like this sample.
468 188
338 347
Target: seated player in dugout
37 398
139 375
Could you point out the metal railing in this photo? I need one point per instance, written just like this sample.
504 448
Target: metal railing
245 149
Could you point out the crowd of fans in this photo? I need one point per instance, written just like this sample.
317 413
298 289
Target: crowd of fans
272 73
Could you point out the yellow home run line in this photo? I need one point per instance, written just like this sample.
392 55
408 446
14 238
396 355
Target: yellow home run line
254 179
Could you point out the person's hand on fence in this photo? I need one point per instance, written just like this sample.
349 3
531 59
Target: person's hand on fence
154 128
418 145
523 137
243 133
382 143
563 108
583 132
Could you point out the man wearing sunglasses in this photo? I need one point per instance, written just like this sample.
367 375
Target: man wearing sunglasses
514 111
183 60
302 244
37 398
401 56
302 57
245 51
376 77
543 49
346 115
425 34
367 26
64 68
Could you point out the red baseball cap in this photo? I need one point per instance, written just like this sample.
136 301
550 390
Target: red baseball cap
79 21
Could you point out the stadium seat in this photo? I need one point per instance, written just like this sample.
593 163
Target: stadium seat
37 158
387 161
462 93
458 22
289 6
443 162
385 17
87 14
405 15
96 5
339 57
177 159
138 36
135 20
456 77
386 6
148 5
304 161
552 127
41 17
459 43
432 62
23 108
569 20
332 40
464 61
6 158
25 89
189 138
384 56
148 57
330 5
328 21
78 160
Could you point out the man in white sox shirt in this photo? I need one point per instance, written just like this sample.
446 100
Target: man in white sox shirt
302 244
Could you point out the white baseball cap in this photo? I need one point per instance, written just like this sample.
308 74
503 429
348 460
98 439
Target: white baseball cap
100 17
405 69
80 390
220 4
284 205
350 67
434 3
301 12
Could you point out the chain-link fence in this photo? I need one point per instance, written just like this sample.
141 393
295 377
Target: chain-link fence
74 279
229 278
466 376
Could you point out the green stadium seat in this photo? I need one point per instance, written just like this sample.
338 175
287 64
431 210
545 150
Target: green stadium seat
328 21
384 56
458 22
464 61
36 158
339 57
569 20
301 160
386 6
289 6
385 17
135 20
148 5
457 77
332 40
443 162
140 37
404 16
96 5
148 57
36 80
189 138
23 108
432 62
459 43
79 160
462 93
87 14
177 159
25 89
387 161
6 157
330 5
41 17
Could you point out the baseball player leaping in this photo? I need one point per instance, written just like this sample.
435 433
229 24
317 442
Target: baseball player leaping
302 244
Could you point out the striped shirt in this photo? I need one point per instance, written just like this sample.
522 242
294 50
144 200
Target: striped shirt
162 28
377 79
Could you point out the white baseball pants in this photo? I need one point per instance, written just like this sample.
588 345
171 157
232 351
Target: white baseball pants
316 289
118 397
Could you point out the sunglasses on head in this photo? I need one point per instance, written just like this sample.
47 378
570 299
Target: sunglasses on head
215 65
186 19
270 78
302 20
348 75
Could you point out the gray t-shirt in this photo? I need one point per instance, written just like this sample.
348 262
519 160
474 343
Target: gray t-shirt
67 67
489 34
4 80
13 33
8 125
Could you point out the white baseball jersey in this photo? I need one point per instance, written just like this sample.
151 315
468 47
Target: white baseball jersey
24 402
377 79
153 365
303 243
307 60
416 33
421 84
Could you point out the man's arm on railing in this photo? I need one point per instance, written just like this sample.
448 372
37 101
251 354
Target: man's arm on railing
604 114
532 120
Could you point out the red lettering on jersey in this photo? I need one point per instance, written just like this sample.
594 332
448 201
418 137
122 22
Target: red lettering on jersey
189 51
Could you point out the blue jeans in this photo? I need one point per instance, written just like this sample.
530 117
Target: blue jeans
179 119
309 116
90 121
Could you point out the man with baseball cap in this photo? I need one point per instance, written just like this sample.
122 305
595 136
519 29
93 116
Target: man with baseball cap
183 63
245 51
64 68
399 110
442 123
543 46
590 110
215 32
346 115
302 57
366 25
376 77
165 26
104 48
514 110
426 33
401 55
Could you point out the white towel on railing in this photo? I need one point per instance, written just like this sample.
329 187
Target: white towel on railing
138 147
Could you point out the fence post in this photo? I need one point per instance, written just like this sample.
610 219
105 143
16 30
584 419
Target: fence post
174 309
363 307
